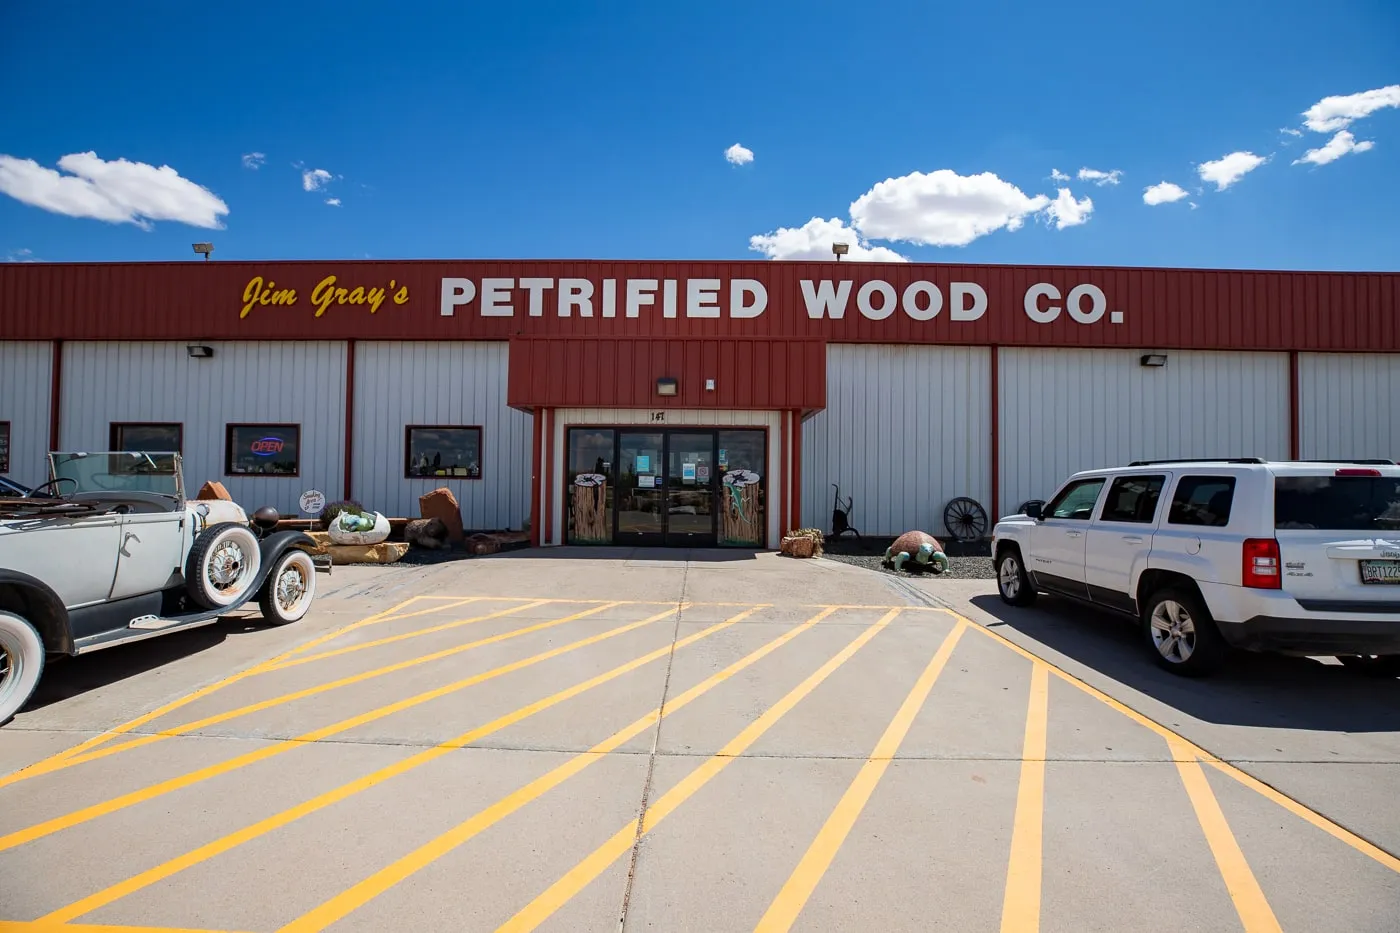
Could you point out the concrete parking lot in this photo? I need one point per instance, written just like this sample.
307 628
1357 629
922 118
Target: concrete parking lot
607 740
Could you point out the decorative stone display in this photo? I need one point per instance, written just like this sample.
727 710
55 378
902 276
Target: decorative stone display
923 548
442 505
385 553
214 490
428 533
347 528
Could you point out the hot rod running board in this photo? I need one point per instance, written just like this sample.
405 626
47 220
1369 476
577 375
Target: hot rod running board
149 625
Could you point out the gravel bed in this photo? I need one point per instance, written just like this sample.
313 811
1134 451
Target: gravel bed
965 561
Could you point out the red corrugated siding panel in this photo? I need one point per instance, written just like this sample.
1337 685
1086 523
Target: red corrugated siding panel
1166 308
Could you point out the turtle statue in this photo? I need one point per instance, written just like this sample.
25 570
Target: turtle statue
923 548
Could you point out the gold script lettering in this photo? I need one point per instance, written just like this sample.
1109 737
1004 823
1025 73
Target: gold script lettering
257 293
324 296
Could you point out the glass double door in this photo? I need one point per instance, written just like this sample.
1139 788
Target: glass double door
668 487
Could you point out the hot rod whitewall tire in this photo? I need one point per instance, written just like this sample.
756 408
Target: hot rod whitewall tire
290 587
222 565
21 663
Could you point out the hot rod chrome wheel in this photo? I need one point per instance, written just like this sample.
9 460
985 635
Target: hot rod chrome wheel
290 588
21 663
222 565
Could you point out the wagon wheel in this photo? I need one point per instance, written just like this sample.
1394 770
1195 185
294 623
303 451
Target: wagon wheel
965 519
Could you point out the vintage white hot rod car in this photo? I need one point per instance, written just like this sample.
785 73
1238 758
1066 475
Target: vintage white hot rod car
109 551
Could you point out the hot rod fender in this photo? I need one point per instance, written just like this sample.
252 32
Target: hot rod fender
274 546
35 601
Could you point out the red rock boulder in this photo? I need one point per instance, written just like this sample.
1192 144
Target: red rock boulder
442 505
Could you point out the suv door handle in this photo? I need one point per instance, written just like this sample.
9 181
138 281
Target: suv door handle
1133 539
1073 534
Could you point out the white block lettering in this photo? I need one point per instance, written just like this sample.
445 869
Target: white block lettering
495 298
640 292
1033 296
609 297
887 306
1098 304
738 289
826 300
957 301
668 298
911 301
456 292
575 293
702 297
536 289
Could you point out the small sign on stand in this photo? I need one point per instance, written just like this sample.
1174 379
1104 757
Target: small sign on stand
312 502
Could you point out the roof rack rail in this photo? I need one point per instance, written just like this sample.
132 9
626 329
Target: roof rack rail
1376 461
1138 463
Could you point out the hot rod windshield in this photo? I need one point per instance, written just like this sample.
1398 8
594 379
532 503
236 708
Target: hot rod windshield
125 471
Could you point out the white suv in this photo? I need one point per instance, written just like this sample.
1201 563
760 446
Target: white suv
1290 556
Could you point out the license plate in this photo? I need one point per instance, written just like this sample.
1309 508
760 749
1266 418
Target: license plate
1380 571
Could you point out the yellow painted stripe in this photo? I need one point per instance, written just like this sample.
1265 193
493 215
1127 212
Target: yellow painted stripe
352 899
45 765
783 912
48 827
292 814
1341 833
1253 908
261 705
416 633
579 877
40 926
1020 907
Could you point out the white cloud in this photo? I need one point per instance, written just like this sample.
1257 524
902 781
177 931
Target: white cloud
942 208
1336 147
1228 169
1065 211
333 202
1162 193
1289 131
1100 178
1057 175
314 178
20 255
738 155
1339 111
253 160
813 240
1193 204
117 192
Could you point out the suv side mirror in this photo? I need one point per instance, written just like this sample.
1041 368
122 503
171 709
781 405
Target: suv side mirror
1033 510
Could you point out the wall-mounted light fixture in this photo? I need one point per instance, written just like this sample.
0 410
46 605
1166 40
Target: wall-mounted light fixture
840 249
199 351
1153 359
205 249
709 385
665 387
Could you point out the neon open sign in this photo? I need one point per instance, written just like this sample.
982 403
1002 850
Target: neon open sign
266 446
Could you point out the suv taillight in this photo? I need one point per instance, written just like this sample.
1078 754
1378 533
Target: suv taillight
1261 564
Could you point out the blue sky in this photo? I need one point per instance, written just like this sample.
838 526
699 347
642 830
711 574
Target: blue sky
557 130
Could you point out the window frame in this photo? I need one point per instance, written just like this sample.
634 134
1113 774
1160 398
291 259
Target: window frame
1128 477
408 430
1232 480
113 427
261 425
7 427
1049 512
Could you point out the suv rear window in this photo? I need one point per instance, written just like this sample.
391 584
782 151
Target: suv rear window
1337 503
1202 500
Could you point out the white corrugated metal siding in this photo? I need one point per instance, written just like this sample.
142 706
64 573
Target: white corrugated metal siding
905 430
1349 405
255 381
454 383
564 418
26 376
1069 410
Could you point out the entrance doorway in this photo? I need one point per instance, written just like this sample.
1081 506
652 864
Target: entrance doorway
667 487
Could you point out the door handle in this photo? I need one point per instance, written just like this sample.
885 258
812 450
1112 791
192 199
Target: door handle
1133 539
1073 534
